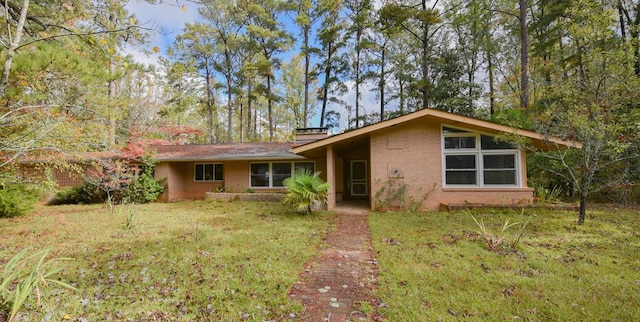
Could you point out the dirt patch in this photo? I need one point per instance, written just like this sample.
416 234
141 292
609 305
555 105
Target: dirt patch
338 285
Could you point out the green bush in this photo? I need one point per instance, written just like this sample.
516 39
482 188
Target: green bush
116 187
17 199
143 188
305 189
88 193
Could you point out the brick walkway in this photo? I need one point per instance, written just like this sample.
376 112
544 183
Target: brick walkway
333 286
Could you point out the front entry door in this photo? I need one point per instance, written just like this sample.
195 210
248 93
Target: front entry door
359 178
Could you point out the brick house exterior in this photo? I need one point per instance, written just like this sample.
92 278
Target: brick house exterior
426 159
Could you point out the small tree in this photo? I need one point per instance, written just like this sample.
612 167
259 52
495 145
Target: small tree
304 189
591 97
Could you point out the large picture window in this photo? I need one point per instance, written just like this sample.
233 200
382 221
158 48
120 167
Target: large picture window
208 172
272 174
473 159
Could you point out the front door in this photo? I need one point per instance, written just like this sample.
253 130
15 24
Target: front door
359 178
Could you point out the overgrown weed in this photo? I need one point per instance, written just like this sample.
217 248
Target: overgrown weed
434 269
186 261
28 274
497 241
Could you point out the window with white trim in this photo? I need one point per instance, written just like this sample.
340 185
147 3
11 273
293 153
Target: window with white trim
476 160
208 172
272 174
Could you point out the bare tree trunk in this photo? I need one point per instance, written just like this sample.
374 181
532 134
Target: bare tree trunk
307 79
112 101
212 137
623 30
583 208
524 58
425 68
634 33
401 94
229 113
492 91
325 87
249 101
255 123
240 123
425 61
471 79
382 81
13 46
357 70
269 108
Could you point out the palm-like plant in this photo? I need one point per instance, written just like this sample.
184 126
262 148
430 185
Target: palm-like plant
304 189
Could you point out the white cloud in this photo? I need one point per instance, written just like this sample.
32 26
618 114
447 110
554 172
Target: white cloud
168 19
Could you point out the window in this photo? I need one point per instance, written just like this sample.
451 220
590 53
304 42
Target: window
472 159
272 174
260 174
461 169
305 165
460 142
281 171
208 172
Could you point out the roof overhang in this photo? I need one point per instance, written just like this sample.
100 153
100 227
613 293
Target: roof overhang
231 158
251 151
431 115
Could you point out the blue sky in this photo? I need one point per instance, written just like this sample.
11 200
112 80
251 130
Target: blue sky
169 19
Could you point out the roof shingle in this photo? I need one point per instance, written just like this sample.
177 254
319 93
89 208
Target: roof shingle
226 152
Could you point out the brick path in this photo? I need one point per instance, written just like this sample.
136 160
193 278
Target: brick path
333 286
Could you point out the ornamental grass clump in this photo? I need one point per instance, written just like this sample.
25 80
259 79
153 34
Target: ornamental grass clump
27 274
496 241
305 189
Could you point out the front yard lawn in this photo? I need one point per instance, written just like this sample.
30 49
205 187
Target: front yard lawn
199 261
436 266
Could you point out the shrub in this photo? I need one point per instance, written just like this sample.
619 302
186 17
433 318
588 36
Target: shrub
115 186
304 189
17 199
143 188
88 193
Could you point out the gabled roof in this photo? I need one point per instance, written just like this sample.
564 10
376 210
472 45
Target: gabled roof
438 116
226 152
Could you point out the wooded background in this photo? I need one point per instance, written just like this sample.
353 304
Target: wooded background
254 70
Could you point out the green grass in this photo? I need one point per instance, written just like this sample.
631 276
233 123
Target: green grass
204 261
436 266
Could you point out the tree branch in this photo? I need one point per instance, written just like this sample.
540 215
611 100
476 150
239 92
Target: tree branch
81 34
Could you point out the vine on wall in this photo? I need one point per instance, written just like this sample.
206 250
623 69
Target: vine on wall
393 195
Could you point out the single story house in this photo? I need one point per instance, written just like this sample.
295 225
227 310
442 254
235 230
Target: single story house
427 158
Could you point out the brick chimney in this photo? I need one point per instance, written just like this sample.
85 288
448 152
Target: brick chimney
310 134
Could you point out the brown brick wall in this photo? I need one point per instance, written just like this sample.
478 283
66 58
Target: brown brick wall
236 176
412 153
180 184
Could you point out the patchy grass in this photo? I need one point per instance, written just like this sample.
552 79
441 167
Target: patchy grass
436 266
204 261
